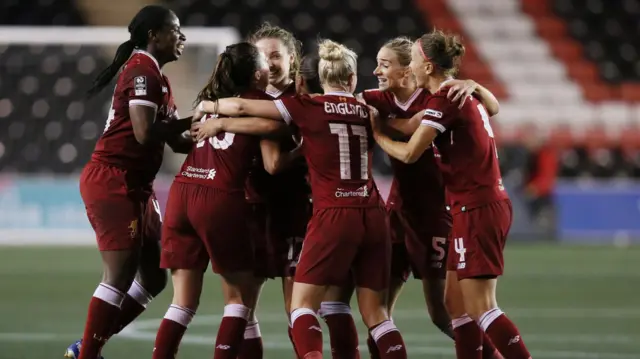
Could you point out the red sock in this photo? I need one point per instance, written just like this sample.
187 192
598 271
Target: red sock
171 330
343 334
103 311
290 332
389 341
307 333
489 350
231 332
468 338
373 348
251 347
504 334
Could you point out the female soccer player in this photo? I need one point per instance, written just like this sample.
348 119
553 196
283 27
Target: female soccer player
463 138
116 185
281 205
416 203
206 215
348 232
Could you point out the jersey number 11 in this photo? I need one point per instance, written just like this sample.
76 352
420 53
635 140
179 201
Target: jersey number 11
342 130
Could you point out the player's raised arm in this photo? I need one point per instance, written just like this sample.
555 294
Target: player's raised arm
459 90
440 114
405 126
235 107
245 125
407 152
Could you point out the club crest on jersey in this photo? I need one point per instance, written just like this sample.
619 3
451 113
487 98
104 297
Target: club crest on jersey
433 113
140 85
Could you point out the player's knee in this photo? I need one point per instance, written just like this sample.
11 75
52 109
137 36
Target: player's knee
153 282
454 304
373 314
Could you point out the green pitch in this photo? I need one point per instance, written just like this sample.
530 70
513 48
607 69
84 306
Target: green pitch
569 302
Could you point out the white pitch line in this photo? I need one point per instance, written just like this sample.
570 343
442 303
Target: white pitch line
282 343
413 347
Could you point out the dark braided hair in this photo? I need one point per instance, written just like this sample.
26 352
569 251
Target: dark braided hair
309 72
149 18
234 72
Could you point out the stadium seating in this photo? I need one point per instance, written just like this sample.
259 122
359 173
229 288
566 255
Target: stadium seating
609 31
46 123
39 12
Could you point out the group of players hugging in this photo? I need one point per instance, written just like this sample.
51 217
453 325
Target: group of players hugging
278 183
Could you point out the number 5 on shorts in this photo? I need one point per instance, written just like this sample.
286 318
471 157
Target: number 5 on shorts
438 243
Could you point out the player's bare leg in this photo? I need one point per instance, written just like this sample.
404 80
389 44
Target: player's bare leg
373 309
306 330
150 281
119 269
481 304
336 312
187 287
468 335
433 290
240 290
251 347
395 288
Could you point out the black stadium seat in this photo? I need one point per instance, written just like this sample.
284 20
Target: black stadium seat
46 124
609 31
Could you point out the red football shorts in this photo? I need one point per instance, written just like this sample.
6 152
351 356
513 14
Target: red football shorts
478 238
400 263
152 221
341 242
120 216
288 222
427 243
203 224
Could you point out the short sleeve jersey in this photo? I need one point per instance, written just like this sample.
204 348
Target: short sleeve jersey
288 184
337 145
140 83
223 161
467 150
416 187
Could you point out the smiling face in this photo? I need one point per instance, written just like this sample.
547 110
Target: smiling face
420 68
390 73
278 57
169 40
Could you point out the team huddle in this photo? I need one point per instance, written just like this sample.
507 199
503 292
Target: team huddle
278 183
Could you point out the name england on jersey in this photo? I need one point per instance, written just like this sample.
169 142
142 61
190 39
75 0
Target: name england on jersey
345 108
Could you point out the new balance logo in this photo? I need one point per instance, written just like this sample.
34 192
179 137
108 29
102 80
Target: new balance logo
514 340
315 327
394 348
223 347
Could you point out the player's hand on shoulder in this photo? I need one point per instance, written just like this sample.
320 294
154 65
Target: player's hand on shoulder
203 109
374 117
460 90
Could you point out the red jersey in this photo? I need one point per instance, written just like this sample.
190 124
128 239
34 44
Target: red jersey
140 82
223 161
337 145
467 151
416 187
291 183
